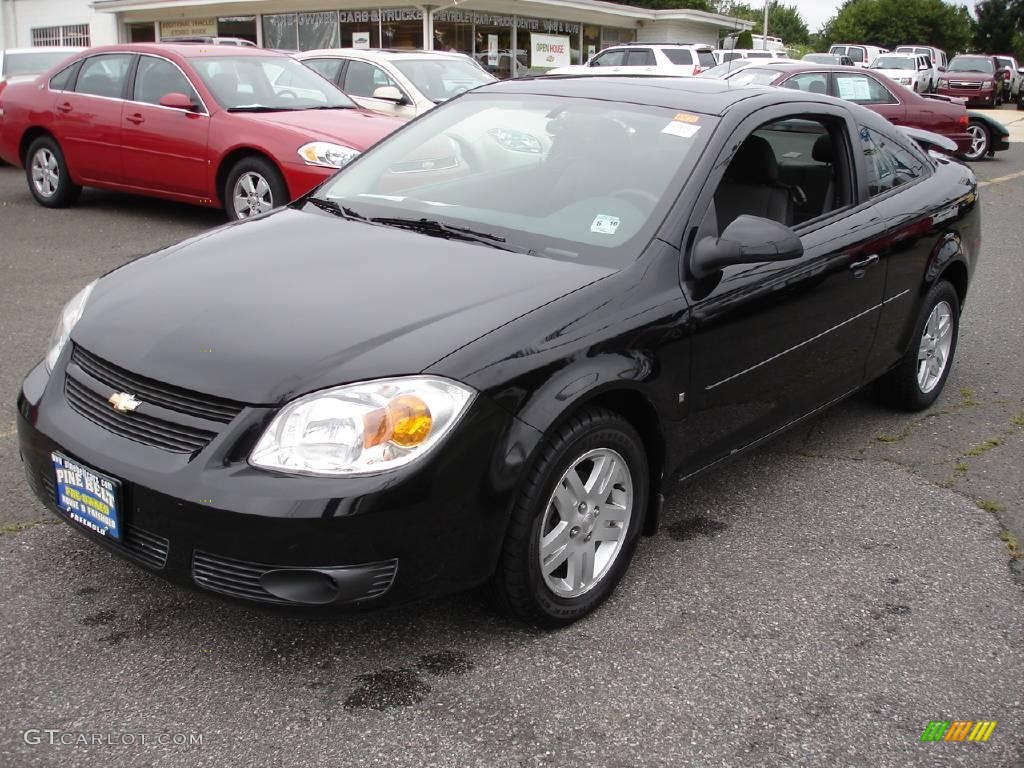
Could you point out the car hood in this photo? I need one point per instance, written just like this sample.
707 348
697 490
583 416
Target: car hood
298 300
967 77
896 74
356 128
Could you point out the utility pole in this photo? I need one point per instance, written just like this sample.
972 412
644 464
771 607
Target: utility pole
767 3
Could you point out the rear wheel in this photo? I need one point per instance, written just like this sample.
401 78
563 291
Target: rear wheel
917 381
47 174
253 186
576 521
981 139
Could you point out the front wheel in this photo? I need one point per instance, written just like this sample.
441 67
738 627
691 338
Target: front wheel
576 522
253 186
916 382
980 141
48 176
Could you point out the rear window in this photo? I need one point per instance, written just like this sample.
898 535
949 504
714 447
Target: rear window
706 58
857 54
679 56
759 55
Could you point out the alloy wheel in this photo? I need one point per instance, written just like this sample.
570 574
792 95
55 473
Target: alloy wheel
933 352
251 195
585 522
45 172
979 141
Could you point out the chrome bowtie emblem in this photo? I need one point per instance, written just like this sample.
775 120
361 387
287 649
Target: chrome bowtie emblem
123 402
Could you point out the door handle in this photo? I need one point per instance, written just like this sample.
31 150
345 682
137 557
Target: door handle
864 263
65 107
136 118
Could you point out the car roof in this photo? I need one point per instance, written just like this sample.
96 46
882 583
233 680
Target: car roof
188 50
707 96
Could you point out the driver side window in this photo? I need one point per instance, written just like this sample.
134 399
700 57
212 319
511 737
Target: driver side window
609 59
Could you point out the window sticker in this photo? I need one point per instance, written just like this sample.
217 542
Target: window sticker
684 117
686 130
605 225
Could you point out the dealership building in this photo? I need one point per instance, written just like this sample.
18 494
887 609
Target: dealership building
490 29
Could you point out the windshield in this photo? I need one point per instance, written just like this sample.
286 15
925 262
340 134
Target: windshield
971 64
754 76
16 64
893 62
726 67
267 83
442 79
565 178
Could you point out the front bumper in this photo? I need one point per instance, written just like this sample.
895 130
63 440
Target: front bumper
210 520
970 95
301 178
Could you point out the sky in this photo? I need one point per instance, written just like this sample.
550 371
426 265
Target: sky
817 12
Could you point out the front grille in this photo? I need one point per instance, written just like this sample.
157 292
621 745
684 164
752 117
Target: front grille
239 578
958 84
165 395
176 438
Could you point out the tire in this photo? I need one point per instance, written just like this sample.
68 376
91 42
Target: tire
557 594
47 174
981 140
253 186
905 386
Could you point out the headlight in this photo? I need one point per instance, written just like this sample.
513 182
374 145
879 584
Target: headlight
67 319
516 141
362 428
326 154
988 84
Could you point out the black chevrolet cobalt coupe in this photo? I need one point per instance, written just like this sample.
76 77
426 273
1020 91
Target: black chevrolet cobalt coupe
483 363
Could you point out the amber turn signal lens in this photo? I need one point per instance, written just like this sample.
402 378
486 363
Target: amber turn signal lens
405 421
411 420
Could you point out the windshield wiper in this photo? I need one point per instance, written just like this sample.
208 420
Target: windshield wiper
332 106
260 108
436 228
338 210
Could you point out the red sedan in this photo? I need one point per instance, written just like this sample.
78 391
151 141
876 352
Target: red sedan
899 105
241 128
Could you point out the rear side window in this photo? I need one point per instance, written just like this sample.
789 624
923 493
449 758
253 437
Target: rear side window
811 82
857 54
889 165
63 79
682 56
329 68
862 89
642 58
706 58
104 75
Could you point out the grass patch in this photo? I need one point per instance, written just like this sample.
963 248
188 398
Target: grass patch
990 506
1013 547
1018 419
984 446
8 528
967 398
961 466
887 438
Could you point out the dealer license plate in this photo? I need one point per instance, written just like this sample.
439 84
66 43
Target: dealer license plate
89 498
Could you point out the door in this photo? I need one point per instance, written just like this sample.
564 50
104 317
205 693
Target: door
165 149
361 80
773 341
865 90
88 123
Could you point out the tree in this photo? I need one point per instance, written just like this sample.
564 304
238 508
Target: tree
784 21
744 41
998 29
665 5
896 22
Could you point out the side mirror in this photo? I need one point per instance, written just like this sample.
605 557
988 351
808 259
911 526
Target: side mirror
177 101
389 93
747 240
942 68
1020 70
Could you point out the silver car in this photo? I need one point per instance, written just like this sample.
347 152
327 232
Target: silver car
399 83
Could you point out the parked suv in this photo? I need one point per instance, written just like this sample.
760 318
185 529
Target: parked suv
974 77
937 55
861 55
672 59
723 55
915 72
401 83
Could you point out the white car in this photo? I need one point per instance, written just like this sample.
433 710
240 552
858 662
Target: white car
399 83
24 63
1010 64
673 59
911 71
938 58
726 68
861 55
723 55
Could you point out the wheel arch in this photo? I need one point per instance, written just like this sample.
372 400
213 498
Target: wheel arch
31 134
232 156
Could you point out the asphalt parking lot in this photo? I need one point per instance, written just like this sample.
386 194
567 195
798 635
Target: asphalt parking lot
815 603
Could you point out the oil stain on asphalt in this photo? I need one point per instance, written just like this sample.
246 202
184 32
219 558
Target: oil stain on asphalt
689 527
387 688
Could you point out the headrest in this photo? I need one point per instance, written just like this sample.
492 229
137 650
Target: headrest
754 163
822 151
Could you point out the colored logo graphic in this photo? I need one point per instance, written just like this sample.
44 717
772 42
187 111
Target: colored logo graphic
958 730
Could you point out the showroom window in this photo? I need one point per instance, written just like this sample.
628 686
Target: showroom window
301 31
70 34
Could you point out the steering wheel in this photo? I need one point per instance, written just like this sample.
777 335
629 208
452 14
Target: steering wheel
634 193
